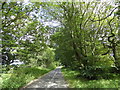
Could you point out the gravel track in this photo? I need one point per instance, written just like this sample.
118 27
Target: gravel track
53 79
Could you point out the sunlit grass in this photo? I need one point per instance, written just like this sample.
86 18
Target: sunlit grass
4 77
21 76
79 82
1 82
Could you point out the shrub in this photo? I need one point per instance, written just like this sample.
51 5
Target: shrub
96 67
91 72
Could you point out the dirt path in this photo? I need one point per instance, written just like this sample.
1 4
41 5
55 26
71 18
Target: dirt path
53 79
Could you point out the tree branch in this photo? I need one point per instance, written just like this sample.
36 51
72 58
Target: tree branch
106 16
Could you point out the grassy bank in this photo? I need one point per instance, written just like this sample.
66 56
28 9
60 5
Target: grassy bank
21 76
78 82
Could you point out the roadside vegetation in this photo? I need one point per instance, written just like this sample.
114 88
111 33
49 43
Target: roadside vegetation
21 76
17 76
74 80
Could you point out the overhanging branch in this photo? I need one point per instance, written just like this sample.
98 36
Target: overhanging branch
106 16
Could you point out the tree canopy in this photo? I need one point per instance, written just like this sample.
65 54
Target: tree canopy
81 35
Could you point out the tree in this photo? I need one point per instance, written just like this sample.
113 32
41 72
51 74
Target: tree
12 13
85 35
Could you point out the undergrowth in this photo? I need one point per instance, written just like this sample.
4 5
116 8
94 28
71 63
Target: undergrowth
79 82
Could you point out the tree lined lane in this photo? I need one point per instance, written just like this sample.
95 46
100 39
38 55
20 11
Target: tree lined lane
53 79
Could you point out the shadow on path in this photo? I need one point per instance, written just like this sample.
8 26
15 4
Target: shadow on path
53 79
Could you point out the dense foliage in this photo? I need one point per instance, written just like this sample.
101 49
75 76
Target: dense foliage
23 36
88 39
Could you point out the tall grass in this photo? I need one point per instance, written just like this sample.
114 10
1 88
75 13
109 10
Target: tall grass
21 76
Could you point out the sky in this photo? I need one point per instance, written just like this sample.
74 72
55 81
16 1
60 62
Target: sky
69 0
65 0
60 0
55 23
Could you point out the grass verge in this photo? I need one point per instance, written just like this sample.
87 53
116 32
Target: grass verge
21 76
79 82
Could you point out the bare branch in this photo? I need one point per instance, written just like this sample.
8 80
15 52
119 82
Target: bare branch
106 16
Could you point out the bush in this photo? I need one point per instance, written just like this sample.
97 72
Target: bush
33 71
105 61
91 72
5 68
96 67
46 59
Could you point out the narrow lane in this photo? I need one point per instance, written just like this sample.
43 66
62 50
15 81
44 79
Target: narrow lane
53 79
